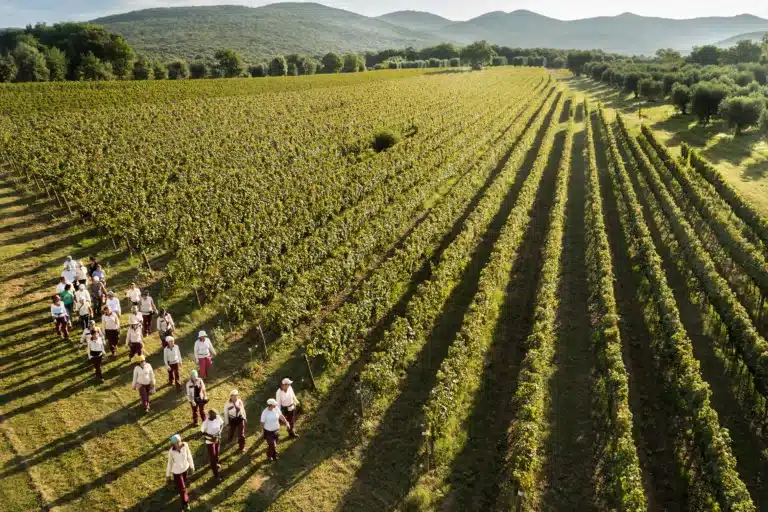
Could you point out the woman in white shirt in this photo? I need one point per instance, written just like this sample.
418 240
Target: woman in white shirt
83 305
113 303
271 417
197 396
165 326
110 322
95 349
180 463
60 317
133 294
69 273
81 273
134 340
204 353
172 360
62 284
235 417
143 380
287 402
211 430
147 309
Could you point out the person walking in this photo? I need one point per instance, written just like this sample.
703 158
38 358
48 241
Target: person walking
62 284
83 306
99 272
95 349
147 309
133 294
60 317
81 273
287 402
143 380
211 429
98 293
204 353
68 299
110 322
113 303
180 464
172 360
271 417
69 273
235 418
134 340
197 396
87 332
135 318
165 326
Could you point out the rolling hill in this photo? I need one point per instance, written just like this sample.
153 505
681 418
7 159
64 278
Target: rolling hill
311 28
755 37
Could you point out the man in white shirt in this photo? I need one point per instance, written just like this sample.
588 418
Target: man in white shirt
147 309
133 294
287 403
143 380
110 322
113 303
180 462
235 417
165 325
204 353
172 360
211 430
134 340
271 417
95 349
83 306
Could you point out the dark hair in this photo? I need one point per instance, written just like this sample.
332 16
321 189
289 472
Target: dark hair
67 286
162 311
53 299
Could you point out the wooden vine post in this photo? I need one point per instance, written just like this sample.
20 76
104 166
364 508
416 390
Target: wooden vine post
309 369
263 342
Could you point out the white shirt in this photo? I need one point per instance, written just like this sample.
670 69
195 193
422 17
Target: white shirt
58 310
60 287
286 399
135 319
179 461
212 428
271 419
69 275
81 273
83 302
191 390
231 412
144 376
146 305
203 348
134 336
134 294
165 323
171 355
95 344
110 322
114 305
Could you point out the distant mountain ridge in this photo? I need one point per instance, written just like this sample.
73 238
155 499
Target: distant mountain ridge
260 32
755 37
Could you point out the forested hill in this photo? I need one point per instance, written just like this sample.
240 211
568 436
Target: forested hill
306 28
310 28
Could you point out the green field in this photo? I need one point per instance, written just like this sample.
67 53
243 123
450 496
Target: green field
525 303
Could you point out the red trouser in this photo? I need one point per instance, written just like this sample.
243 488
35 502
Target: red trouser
112 336
238 425
97 365
135 349
144 394
205 365
146 320
173 374
195 409
181 486
271 436
62 327
213 455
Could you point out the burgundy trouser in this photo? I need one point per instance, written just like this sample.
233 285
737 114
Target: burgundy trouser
213 456
97 365
271 437
135 349
62 327
205 365
112 336
240 427
195 409
181 486
146 319
290 416
173 374
144 394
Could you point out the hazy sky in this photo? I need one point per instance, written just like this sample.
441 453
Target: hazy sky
21 12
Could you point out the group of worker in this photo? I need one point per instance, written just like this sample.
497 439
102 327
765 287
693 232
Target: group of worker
92 297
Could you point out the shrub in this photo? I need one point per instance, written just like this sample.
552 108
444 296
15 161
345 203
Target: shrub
385 139
178 70
742 112
706 98
455 62
681 97
259 70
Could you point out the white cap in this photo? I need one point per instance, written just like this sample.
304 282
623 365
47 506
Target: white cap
287 381
202 334
169 338
271 401
96 278
234 392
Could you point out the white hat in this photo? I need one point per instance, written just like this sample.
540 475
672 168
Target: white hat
111 293
287 381
96 279
234 392
82 287
271 401
169 338
202 334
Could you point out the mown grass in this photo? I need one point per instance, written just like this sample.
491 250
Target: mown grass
742 159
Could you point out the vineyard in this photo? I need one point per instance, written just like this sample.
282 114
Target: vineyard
518 304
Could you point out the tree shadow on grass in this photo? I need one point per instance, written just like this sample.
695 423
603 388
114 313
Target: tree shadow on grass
755 171
731 148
